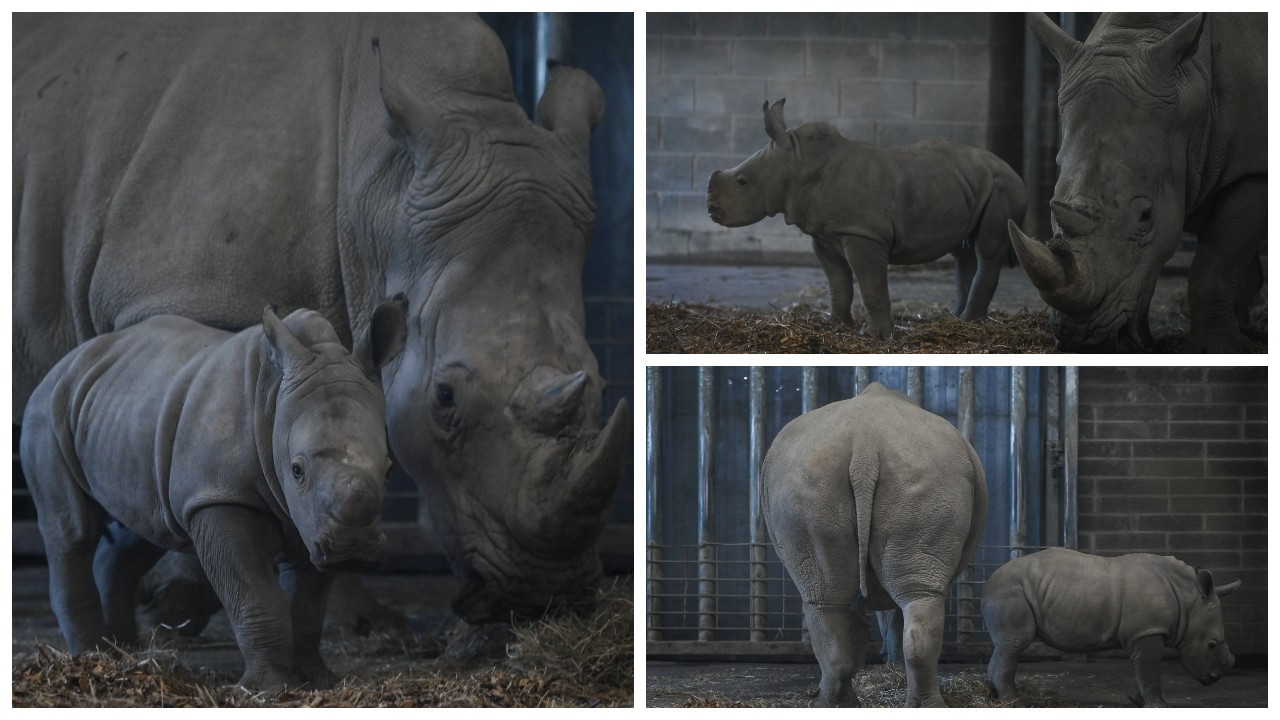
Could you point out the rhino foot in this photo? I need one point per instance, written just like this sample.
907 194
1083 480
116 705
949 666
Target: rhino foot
878 332
271 682
319 678
1229 341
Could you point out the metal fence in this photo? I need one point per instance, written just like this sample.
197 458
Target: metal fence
715 586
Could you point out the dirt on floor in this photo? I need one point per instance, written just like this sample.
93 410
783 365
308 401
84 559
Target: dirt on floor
1101 682
571 660
785 309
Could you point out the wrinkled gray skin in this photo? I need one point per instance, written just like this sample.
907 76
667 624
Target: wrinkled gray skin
876 502
1164 128
204 166
866 207
1082 603
262 452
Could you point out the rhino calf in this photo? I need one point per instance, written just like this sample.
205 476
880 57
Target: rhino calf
1083 603
262 452
866 207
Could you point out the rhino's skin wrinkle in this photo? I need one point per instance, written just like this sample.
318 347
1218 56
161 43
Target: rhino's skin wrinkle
254 450
866 207
1164 129
1082 603
206 165
877 479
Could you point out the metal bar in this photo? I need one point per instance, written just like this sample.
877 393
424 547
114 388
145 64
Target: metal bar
862 378
706 516
653 524
759 536
915 385
809 386
1070 429
1051 496
966 404
1031 127
1017 460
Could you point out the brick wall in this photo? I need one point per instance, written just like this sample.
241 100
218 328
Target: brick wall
1173 461
885 78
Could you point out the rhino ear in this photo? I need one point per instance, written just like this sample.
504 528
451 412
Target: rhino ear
774 123
283 347
1166 54
386 334
409 118
572 104
1060 44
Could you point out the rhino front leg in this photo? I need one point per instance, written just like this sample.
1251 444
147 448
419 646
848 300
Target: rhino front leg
921 648
966 265
240 560
1223 279
1145 654
122 559
308 591
839 278
870 262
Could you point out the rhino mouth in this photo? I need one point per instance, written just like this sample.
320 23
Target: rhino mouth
340 548
715 212
1126 333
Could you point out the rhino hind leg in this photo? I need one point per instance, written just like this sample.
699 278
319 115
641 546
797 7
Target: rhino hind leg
1222 275
966 266
991 242
839 634
122 558
922 647
1012 626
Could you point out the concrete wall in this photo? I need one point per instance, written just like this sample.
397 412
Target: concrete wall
1173 461
885 78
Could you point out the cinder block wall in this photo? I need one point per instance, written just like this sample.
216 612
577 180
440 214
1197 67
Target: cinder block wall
885 78
1173 461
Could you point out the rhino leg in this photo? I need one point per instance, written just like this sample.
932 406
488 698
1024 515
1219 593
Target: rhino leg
1145 654
1220 276
839 635
308 590
1012 626
839 279
122 559
869 259
890 622
991 245
240 560
966 265
921 648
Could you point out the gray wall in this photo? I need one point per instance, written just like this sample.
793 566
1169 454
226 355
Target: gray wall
885 78
1173 461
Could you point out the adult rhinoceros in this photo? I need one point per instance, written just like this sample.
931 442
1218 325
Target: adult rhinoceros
206 166
1164 122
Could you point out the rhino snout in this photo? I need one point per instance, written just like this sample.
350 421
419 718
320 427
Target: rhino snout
355 506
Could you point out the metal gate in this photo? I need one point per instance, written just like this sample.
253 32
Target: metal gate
714 585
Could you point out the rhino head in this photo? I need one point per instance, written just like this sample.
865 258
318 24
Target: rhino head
494 407
757 188
1119 204
329 441
1203 647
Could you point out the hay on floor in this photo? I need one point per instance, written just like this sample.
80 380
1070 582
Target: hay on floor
572 660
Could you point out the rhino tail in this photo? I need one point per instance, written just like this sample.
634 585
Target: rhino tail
978 520
864 471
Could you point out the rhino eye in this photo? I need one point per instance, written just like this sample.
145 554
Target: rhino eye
742 182
444 395
1213 645
297 471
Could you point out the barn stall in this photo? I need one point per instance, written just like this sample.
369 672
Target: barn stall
1105 460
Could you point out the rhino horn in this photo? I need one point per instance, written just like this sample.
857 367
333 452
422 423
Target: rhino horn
1074 220
1041 265
1180 43
595 467
1225 590
1060 44
549 400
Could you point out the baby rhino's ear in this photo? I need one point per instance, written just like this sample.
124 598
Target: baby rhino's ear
386 335
283 347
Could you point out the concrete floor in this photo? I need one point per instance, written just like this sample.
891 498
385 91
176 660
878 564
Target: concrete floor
1089 683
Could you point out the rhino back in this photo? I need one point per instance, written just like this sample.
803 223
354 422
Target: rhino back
122 399
1086 603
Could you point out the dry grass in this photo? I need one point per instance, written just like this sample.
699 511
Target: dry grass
680 328
885 686
584 661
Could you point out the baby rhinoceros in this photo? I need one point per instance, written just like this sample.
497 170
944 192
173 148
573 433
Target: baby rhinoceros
262 452
1082 603
866 207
